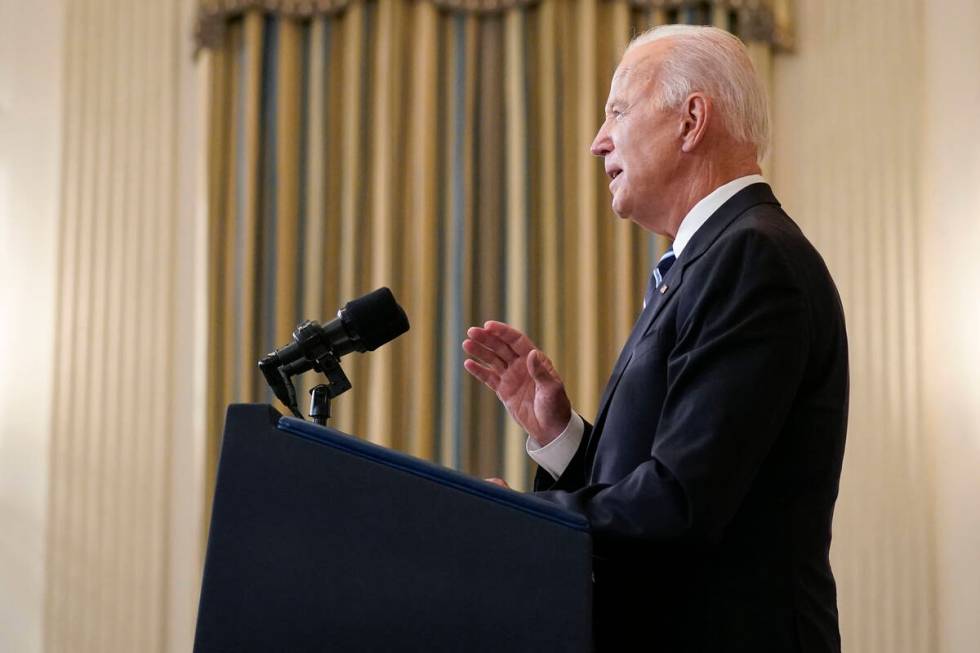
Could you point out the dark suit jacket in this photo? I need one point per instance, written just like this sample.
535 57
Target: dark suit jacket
710 475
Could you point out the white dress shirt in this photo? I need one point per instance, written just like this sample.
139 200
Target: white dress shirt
555 456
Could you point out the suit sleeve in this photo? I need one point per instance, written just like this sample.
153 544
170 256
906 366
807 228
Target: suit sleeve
732 376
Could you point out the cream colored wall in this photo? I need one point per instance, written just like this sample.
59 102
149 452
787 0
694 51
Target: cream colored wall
124 557
186 528
950 286
876 155
101 269
30 144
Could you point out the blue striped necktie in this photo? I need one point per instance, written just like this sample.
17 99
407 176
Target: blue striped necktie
659 272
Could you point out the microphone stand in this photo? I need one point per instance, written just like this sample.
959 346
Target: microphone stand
320 404
320 395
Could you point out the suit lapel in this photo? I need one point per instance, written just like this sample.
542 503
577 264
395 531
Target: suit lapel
739 203
643 322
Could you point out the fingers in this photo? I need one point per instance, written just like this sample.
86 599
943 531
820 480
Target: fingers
498 481
515 339
482 373
492 343
488 357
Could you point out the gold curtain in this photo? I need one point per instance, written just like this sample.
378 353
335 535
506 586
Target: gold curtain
440 148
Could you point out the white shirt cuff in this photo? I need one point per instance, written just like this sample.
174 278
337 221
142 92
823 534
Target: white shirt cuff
555 456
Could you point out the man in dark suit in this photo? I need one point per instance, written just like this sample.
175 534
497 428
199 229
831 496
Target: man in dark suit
710 472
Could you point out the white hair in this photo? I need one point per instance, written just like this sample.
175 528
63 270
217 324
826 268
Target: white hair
715 62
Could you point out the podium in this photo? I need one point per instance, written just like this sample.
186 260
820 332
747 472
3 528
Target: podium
323 542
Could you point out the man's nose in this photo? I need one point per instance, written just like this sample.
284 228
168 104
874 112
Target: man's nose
602 145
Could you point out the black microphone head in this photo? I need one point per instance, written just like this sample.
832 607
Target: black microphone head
376 318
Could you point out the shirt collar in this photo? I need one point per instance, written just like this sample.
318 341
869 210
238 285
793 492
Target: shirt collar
705 208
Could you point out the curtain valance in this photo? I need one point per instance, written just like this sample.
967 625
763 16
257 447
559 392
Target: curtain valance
761 21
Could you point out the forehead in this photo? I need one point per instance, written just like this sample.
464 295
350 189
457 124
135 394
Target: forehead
638 69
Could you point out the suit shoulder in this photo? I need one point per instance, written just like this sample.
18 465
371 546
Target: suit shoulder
771 239
768 223
766 228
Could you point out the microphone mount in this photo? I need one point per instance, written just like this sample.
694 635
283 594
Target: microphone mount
308 351
364 324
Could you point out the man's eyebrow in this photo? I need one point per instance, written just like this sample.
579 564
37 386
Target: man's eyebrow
614 104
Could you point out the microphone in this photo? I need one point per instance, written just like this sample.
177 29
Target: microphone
363 324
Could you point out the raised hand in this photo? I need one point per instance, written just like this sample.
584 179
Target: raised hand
525 380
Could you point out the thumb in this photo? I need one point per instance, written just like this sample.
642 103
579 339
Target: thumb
540 368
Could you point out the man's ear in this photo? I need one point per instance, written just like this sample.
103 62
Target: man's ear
698 112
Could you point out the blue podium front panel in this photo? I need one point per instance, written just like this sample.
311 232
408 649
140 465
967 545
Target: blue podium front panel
322 542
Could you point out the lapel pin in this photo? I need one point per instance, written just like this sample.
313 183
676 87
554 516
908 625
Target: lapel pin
663 289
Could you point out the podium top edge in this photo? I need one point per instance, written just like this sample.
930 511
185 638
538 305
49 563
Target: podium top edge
437 473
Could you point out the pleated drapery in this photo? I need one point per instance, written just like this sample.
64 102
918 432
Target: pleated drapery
440 149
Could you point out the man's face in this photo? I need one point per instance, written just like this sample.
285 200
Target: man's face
639 143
